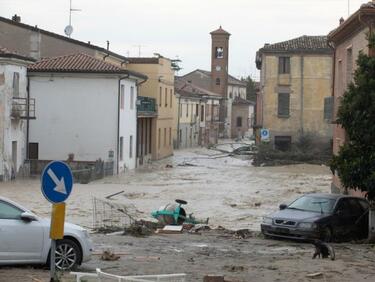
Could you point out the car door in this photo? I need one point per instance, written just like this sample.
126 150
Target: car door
20 241
344 219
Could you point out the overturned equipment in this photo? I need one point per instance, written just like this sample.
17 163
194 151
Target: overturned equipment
175 214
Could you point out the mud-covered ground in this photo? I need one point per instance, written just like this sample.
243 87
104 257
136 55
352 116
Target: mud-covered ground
230 192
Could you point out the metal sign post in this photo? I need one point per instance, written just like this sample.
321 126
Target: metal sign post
57 184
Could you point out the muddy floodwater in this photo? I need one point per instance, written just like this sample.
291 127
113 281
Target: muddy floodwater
227 190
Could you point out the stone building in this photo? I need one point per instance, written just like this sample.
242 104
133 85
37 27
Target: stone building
16 109
197 115
218 80
348 39
295 90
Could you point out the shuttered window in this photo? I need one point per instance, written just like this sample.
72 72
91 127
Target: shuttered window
284 65
328 108
283 104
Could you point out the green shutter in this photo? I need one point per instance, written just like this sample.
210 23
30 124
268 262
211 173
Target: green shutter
283 104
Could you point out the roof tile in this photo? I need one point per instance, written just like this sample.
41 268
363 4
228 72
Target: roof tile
302 43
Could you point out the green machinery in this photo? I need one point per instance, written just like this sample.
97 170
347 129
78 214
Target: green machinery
175 214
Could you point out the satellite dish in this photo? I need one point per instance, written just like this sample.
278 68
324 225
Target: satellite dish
68 30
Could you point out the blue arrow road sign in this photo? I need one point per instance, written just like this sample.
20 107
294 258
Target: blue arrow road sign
265 134
57 182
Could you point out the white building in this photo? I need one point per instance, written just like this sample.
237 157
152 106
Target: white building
13 113
86 110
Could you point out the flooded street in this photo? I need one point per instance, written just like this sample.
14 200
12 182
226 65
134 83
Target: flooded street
227 190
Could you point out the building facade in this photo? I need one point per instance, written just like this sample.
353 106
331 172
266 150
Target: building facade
16 109
159 86
218 80
348 39
197 115
295 91
87 111
39 43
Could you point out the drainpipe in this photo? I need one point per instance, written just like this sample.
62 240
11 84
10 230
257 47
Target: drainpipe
27 120
118 121
302 92
178 122
137 147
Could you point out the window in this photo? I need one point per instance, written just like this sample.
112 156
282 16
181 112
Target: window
196 109
239 121
131 97
283 105
165 137
166 97
131 146
159 138
219 52
328 108
187 109
349 65
230 95
217 81
122 96
284 65
8 211
170 136
202 112
171 94
16 84
180 110
33 151
180 136
160 97
283 143
121 148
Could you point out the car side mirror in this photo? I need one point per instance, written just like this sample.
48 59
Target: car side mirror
283 206
26 216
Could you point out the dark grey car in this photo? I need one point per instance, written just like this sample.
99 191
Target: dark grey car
319 216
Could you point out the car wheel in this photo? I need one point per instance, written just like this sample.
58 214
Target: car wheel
326 234
67 255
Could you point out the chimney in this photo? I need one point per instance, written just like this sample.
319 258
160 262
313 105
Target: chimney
107 45
16 18
342 19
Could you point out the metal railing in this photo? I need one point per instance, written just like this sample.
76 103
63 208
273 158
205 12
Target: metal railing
146 105
23 108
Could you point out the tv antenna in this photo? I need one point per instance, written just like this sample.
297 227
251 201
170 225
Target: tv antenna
69 28
139 46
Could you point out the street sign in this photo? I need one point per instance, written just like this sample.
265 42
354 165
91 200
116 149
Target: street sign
57 182
264 134
57 221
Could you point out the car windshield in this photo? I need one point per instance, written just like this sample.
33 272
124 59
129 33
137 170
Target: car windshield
313 204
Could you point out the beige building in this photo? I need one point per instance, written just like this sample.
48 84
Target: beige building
348 39
160 86
295 90
196 115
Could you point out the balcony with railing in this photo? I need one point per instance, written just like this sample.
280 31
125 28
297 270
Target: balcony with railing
23 108
146 107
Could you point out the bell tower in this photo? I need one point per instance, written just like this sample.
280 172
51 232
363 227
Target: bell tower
219 76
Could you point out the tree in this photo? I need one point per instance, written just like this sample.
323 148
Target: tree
355 161
250 88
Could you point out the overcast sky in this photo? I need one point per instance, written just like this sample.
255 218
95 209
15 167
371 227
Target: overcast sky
181 28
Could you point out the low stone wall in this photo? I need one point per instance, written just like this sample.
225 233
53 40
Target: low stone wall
83 171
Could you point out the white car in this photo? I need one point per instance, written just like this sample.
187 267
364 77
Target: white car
24 239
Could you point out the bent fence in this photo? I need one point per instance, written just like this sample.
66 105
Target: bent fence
106 277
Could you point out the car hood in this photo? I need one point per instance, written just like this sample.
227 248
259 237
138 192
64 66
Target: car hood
298 215
68 227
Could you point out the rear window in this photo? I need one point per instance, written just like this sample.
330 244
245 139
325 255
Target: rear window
313 204
364 204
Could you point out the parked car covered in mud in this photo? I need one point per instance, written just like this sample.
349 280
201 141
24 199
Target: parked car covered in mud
328 217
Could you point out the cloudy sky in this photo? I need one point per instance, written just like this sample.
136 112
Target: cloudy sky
181 28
